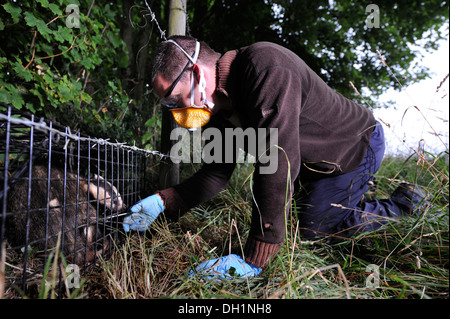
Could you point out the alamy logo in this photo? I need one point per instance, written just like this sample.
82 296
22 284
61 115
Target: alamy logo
73 19
373 19
223 147
373 280
73 276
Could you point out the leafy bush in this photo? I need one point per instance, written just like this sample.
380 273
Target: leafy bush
63 65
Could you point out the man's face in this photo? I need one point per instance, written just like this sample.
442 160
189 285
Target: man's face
181 92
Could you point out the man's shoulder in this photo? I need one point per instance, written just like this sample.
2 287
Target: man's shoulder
262 49
263 55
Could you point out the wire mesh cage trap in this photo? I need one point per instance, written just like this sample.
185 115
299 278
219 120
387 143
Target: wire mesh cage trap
61 191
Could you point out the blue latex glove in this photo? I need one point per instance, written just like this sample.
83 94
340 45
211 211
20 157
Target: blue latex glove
143 214
226 267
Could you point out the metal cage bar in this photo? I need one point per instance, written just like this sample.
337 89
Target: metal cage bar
38 163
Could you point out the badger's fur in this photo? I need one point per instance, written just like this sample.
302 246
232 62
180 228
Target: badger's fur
78 216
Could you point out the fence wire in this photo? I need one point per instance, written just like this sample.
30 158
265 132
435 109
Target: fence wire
61 189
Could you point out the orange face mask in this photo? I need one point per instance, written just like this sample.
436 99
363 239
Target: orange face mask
191 117
194 116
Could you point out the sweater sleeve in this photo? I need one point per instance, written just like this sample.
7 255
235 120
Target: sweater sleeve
200 187
275 100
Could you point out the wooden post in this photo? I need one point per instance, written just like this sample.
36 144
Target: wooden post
169 173
177 17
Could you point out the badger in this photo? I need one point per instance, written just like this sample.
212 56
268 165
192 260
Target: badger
36 218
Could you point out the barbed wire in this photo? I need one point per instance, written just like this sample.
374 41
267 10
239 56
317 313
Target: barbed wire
43 127
153 16
163 33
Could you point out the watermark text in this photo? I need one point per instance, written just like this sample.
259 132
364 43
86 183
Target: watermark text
224 146
73 19
373 19
73 276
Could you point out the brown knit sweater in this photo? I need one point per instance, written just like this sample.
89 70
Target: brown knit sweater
319 131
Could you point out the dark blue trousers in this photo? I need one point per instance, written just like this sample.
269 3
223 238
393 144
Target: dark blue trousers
333 206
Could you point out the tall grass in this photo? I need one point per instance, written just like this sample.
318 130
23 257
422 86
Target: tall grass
51 283
408 258
405 259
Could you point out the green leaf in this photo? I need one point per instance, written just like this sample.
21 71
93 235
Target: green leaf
11 95
30 107
65 90
87 63
40 25
43 3
86 98
38 94
13 11
21 72
55 9
63 34
64 93
114 39
52 6
112 85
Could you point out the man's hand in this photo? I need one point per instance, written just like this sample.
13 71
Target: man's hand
226 267
143 214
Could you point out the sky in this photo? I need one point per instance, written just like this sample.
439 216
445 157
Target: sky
420 118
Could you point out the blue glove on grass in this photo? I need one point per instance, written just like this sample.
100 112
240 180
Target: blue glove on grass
226 267
143 214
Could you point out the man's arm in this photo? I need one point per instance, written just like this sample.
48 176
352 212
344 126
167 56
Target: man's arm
276 102
200 187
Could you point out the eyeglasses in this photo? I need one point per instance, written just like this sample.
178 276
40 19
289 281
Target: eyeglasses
171 103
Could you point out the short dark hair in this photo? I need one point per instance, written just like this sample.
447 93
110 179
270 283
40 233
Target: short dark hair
168 60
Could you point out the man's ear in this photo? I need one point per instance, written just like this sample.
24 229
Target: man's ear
196 70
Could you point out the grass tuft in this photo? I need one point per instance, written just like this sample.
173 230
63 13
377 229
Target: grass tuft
407 258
